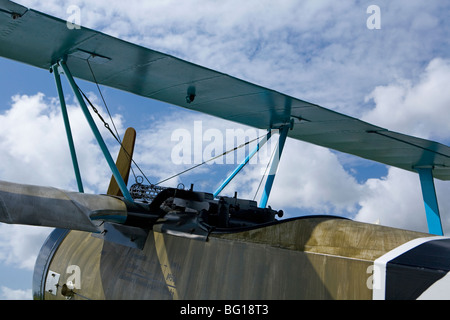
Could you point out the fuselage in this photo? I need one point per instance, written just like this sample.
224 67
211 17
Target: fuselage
303 258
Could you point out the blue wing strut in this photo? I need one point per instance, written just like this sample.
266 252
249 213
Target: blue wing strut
96 132
243 163
430 201
274 165
67 126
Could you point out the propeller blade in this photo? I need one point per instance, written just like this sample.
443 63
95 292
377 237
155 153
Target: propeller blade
123 162
51 207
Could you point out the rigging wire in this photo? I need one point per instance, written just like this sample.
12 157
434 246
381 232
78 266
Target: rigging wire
216 157
110 117
104 102
117 137
140 170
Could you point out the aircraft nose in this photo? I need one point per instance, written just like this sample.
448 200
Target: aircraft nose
43 260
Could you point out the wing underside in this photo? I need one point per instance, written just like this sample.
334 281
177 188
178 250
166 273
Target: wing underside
40 40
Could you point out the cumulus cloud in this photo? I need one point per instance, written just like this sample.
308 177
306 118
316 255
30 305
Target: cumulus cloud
35 146
14 294
20 245
35 151
418 108
396 201
183 139
312 177
319 51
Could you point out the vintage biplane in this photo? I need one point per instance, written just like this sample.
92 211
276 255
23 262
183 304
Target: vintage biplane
152 242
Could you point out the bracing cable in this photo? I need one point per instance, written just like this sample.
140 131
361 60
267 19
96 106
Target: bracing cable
214 158
112 133
117 136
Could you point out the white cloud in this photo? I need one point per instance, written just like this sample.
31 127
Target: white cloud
311 177
420 108
20 245
396 201
157 148
35 151
34 145
14 294
320 51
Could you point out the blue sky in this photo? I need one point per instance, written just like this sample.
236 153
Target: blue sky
320 51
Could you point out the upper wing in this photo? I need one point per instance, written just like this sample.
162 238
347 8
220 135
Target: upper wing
41 40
